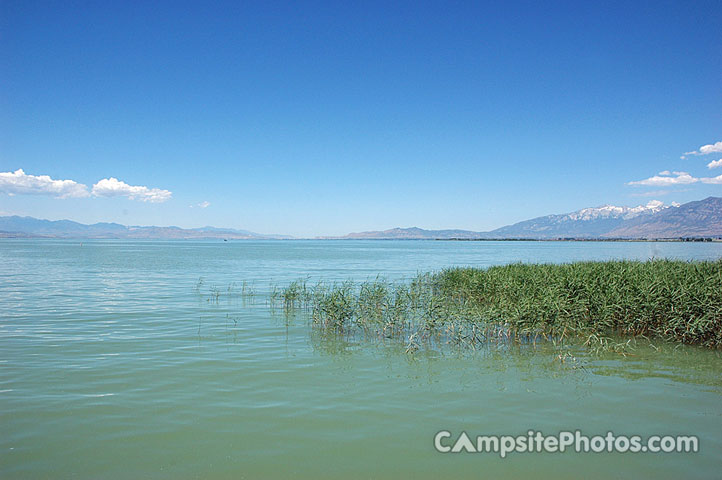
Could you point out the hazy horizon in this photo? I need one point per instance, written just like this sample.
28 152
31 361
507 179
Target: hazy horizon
654 205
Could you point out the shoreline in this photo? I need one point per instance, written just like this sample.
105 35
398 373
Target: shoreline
20 236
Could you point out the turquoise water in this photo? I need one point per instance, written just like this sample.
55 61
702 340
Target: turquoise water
117 362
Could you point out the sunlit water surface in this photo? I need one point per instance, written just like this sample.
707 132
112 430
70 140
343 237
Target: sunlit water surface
116 362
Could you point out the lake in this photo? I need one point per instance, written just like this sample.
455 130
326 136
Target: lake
144 359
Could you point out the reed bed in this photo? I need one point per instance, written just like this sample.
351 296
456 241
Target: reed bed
585 302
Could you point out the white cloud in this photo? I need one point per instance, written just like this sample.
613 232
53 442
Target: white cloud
112 187
715 163
668 179
665 179
20 183
204 204
713 180
707 149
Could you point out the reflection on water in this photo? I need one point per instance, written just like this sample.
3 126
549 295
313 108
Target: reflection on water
116 363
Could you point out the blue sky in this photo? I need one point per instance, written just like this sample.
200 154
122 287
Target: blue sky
322 118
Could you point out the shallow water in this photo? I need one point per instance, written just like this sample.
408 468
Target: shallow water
116 363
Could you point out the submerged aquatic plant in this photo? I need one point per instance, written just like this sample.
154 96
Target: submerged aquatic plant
247 290
214 292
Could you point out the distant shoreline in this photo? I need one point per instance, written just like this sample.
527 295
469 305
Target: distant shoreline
21 236
693 221
680 239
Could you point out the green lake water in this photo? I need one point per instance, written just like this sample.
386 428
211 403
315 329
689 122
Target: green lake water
116 362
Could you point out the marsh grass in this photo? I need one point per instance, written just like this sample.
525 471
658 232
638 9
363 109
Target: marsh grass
591 303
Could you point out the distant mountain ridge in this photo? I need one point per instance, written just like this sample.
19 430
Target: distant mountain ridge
412 233
654 220
585 223
33 227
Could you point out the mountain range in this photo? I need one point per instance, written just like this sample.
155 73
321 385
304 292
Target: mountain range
15 226
653 221
698 219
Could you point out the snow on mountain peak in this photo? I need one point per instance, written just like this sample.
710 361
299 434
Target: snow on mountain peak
612 211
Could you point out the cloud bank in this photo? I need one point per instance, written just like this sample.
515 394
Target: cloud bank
714 180
112 187
668 179
20 183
